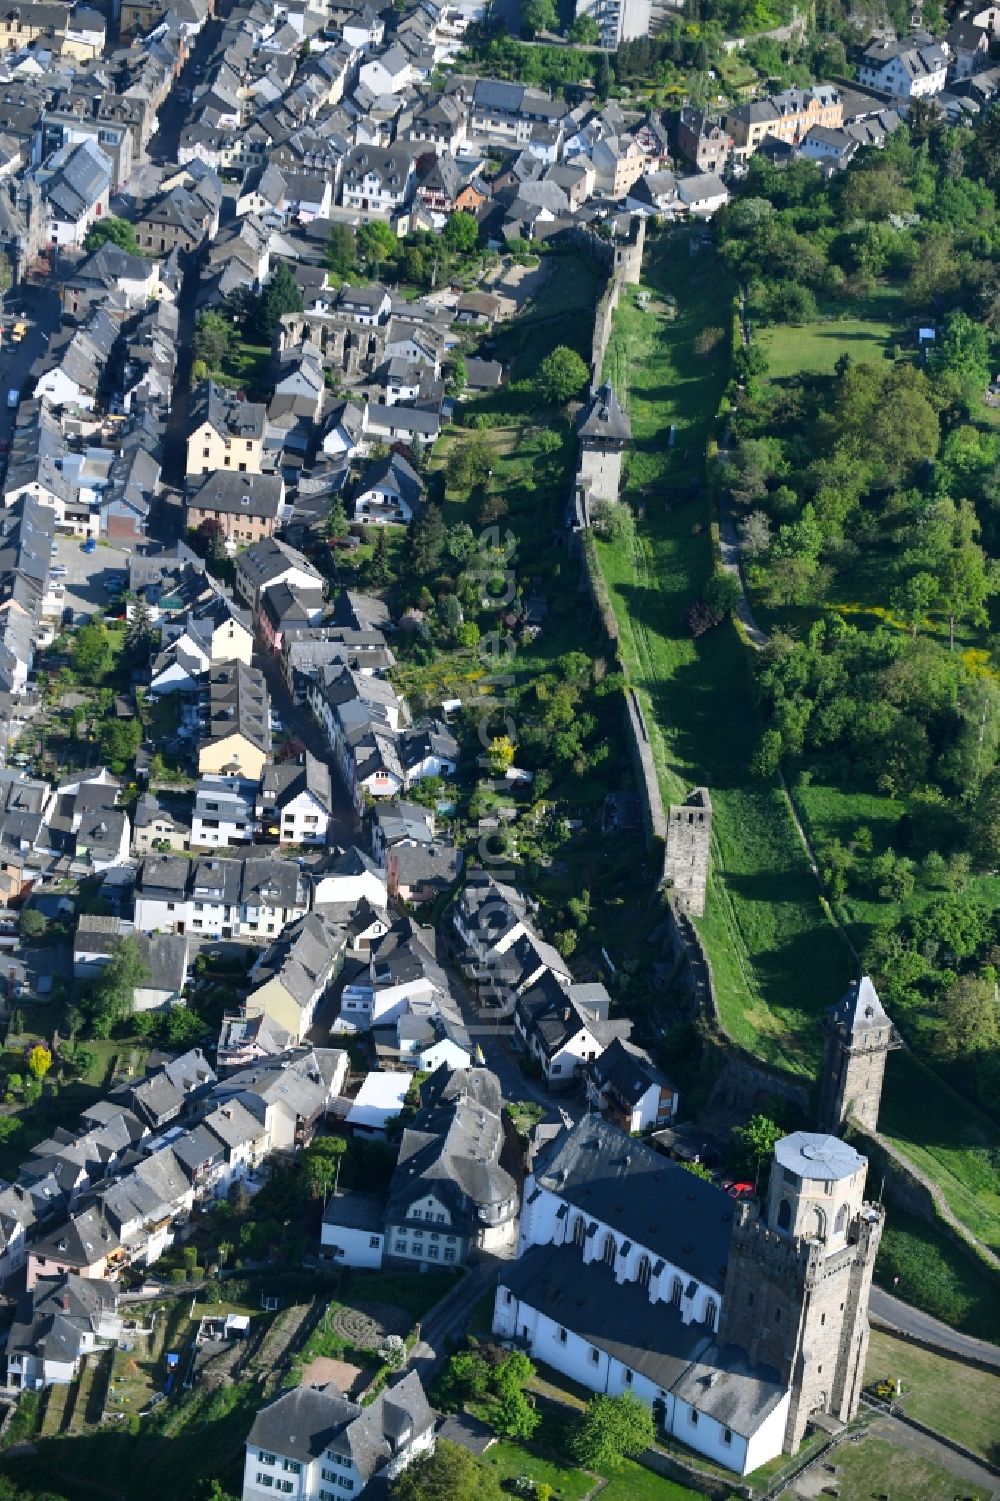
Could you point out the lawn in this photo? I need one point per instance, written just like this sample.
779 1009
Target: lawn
934 1276
764 928
815 348
631 1482
947 1395
878 1468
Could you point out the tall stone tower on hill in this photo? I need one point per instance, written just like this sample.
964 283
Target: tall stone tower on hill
689 844
798 1280
858 1037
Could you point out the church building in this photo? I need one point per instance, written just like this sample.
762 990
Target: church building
734 1324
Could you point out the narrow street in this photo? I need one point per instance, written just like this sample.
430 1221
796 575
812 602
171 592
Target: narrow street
445 1327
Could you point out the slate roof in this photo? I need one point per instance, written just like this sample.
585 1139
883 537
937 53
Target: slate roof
649 1338
452 1148
228 491
303 1423
59 1315
651 1200
603 418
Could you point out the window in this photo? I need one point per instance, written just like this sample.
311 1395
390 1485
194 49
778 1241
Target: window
441 1218
293 1467
562 1336
432 1252
287 1486
346 1482
711 1313
676 1289
628 1376
693 1418
374 1240
268 1459
265 1480
593 1355
727 1435
609 1252
784 1215
449 1254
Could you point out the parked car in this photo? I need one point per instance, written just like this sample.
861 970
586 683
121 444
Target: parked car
59 571
90 545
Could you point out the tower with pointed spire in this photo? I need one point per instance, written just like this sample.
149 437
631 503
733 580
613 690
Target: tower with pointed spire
859 1035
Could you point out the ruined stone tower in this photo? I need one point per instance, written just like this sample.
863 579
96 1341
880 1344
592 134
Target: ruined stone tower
858 1037
798 1278
689 838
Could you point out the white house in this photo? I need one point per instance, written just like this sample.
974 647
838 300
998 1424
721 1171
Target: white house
353 1231
911 68
349 878
314 1444
58 1323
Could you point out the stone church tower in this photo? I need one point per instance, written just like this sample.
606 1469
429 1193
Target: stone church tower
689 843
858 1037
798 1278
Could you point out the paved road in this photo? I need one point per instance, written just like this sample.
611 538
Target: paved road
345 826
494 1037
908 1320
41 313
443 1331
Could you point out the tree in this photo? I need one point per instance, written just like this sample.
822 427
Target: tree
335 523
562 376
321 1165
469 463
755 534
610 1429
280 296
211 539
427 536
214 340
139 632
379 568
119 739
451 1473
32 924
39 1061
970 1016
376 243
723 593
340 255
112 995
757 1138
585 32
602 76
500 755
461 234
539 15
111 231
91 652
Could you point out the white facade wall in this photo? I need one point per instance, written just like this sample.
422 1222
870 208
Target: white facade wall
361 1248
304 821
155 916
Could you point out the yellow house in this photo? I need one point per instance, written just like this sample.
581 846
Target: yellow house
236 738
292 976
224 433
